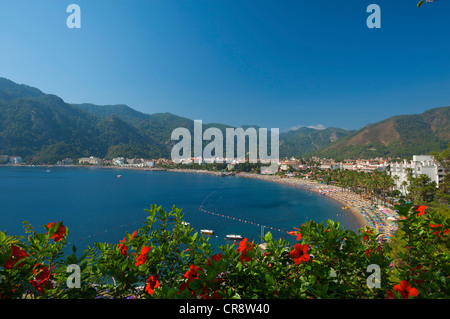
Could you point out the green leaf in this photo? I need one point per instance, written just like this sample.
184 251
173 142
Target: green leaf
420 3
270 280
330 223
268 237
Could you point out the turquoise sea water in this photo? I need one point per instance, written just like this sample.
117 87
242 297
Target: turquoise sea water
97 206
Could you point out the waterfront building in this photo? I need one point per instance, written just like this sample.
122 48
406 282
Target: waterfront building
90 160
15 160
421 164
118 161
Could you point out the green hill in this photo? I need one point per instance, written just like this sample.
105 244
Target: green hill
306 140
398 136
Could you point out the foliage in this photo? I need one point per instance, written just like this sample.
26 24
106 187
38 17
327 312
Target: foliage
398 136
166 259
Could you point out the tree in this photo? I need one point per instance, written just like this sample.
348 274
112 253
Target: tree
422 189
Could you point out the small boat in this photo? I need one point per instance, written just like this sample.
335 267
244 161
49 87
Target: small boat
119 176
207 231
186 223
233 236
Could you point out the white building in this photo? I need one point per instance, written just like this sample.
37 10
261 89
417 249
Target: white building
118 161
421 164
15 160
90 160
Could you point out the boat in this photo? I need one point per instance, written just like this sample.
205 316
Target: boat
207 231
186 223
233 236
119 176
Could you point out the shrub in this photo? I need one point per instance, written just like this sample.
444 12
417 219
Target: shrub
166 259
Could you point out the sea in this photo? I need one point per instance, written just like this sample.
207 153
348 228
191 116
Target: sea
103 204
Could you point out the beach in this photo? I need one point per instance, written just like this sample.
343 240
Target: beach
382 219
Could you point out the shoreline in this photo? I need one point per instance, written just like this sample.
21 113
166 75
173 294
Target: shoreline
380 218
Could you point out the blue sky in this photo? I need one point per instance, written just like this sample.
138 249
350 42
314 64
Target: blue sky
272 63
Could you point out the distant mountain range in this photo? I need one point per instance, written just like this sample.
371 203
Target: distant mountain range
43 127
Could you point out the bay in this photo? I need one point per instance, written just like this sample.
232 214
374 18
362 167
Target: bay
98 206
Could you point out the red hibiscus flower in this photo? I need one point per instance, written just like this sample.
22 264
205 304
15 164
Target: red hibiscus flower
17 254
152 284
59 234
142 258
294 233
191 275
406 290
438 231
41 278
421 210
243 249
300 253
215 257
123 248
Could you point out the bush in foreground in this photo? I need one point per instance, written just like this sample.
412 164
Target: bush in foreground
167 259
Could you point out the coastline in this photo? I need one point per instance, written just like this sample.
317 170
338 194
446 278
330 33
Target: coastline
380 218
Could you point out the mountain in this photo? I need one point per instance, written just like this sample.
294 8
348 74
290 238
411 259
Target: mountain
44 128
306 140
397 136
124 112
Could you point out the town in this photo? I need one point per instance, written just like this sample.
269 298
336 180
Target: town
398 169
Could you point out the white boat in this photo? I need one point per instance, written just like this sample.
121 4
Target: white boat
186 223
207 231
233 236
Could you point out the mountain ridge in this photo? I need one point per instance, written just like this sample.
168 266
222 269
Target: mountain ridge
44 128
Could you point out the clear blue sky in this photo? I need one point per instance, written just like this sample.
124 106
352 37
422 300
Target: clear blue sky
270 63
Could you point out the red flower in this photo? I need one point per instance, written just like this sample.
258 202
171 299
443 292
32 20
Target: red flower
215 257
369 252
59 234
152 284
191 275
142 258
298 234
243 249
300 253
438 231
17 254
417 274
389 295
367 233
41 278
406 290
123 248
421 210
